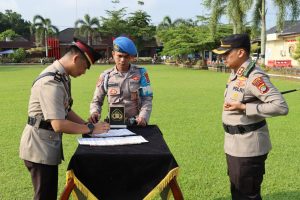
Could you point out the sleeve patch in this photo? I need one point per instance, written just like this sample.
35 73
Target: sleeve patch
147 77
260 85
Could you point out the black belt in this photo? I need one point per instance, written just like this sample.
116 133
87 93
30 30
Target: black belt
241 129
43 124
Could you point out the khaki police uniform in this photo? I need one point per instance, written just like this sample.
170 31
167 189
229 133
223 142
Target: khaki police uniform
123 89
49 99
271 103
247 140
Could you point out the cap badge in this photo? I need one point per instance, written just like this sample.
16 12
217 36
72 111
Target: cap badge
116 47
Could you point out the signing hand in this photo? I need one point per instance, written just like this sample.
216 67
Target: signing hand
231 106
101 127
141 121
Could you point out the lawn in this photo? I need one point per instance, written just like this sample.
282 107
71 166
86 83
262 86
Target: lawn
187 107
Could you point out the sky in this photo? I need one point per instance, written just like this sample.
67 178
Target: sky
64 13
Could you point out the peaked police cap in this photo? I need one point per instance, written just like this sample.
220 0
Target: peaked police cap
91 55
232 42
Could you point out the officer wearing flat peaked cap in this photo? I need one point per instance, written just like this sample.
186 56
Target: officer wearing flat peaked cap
125 85
247 142
90 54
50 114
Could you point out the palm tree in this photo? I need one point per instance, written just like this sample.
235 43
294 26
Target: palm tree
259 18
168 23
43 28
88 26
234 9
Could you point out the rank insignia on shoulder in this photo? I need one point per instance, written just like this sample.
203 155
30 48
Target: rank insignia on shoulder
240 71
58 77
260 85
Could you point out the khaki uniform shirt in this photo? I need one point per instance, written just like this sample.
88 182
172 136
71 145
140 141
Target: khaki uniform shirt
122 90
49 99
271 103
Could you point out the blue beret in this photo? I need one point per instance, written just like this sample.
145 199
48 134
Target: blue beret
125 45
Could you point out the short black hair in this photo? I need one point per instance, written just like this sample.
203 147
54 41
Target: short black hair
75 50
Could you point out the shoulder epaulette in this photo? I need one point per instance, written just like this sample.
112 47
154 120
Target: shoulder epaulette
57 76
106 77
249 69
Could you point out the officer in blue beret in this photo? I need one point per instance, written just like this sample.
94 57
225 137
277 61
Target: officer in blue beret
125 85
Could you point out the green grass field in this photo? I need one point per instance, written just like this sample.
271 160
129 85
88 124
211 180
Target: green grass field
187 107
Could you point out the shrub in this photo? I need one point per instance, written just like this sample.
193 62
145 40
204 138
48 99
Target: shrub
18 56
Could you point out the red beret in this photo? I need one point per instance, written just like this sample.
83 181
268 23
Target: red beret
91 55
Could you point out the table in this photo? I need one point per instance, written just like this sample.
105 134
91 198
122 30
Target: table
139 171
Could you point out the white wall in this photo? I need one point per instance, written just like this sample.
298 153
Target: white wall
281 48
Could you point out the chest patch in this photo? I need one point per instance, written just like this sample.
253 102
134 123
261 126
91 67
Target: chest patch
235 96
238 89
136 78
113 91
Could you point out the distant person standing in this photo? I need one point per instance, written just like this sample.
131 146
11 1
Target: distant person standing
247 141
125 85
50 115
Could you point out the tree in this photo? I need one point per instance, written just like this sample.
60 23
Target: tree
296 53
235 10
8 34
259 18
140 29
18 56
181 40
87 27
12 20
168 23
43 28
114 24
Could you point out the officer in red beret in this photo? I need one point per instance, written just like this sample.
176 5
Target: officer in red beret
50 114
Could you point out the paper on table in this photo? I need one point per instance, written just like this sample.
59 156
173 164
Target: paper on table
112 141
114 133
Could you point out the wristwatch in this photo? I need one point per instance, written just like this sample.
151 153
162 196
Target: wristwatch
91 127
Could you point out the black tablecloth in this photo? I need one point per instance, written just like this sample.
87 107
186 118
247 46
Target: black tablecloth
127 171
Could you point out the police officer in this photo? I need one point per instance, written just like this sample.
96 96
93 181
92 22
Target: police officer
50 114
247 141
125 85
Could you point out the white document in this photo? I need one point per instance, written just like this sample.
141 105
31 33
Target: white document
112 141
114 133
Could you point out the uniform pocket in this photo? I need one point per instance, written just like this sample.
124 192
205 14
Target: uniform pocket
48 135
134 86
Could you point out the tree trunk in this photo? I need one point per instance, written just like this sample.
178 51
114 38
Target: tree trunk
263 32
89 39
46 43
234 28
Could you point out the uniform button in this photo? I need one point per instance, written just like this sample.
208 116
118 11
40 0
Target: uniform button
50 136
